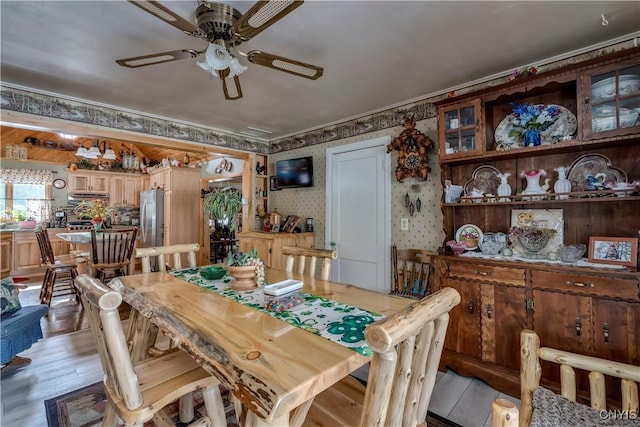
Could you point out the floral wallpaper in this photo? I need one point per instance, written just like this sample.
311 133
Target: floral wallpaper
425 227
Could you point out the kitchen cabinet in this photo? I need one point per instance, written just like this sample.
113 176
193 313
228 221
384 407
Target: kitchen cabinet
269 245
88 182
124 191
6 253
181 203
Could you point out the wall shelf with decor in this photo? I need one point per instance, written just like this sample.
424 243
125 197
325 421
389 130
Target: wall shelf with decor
592 141
260 188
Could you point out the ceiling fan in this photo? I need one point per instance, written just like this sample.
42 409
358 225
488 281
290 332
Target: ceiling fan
225 29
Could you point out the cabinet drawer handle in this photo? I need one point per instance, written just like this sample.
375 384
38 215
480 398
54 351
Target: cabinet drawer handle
605 332
580 284
483 273
489 311
470 306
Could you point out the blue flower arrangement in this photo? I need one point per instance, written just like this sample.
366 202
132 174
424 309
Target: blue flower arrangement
530 120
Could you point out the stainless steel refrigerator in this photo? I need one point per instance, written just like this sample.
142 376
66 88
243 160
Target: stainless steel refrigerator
151 220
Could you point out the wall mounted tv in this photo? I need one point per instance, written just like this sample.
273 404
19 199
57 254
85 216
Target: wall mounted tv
294 173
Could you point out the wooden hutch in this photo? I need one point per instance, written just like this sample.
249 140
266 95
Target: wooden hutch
586 310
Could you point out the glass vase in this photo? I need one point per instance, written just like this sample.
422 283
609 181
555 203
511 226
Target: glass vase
532 137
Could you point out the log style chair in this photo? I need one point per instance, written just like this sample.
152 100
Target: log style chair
407 348
313 256
59 272
162 254
159 256
412 271
111 252
541 407
75 228
137 392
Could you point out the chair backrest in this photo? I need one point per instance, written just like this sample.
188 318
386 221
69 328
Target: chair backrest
163 252
113 248
530 371
46 251
309 257
412 270
101 305
407 348
80 227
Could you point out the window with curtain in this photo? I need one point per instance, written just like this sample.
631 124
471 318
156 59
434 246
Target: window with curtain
27 191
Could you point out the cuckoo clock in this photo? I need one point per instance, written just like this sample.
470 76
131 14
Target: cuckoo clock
412 146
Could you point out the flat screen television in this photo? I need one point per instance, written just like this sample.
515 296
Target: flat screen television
294 173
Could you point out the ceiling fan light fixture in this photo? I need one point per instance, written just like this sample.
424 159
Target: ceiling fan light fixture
218 57
236 68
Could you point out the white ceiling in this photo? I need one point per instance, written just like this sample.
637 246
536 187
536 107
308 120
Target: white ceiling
375 54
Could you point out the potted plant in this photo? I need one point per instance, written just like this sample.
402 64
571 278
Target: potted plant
223 204
247 268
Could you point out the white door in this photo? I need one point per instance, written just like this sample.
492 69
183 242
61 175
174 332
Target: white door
358 213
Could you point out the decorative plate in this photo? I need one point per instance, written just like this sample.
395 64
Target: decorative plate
59 183
474 230
564 127
597 166
539 218
484 178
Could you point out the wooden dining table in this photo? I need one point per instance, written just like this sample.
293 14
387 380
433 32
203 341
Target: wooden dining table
272 367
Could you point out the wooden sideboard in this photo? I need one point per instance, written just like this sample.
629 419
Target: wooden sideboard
589 311
269 245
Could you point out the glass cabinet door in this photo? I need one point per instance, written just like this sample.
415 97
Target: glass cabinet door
461 129
613 102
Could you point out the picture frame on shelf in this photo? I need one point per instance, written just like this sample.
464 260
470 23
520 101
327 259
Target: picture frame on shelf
273 183
290 224
613 250
275 228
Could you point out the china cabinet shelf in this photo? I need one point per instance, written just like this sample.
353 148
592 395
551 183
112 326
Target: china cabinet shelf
502 297
576 197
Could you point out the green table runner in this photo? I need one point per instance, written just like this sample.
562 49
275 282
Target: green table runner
337 322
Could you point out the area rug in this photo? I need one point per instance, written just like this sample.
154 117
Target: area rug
85 407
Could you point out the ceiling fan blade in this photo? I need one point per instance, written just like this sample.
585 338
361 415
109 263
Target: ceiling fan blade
281 63
262 15
158 58
236 90
161 12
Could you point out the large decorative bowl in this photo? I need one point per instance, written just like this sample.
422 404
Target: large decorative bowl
489 247
571 253
533 240
245 277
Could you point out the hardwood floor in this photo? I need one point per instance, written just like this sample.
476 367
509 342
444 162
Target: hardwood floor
67 360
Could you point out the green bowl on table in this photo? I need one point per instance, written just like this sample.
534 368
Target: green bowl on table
212 272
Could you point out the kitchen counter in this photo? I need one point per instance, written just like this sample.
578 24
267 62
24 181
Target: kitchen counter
29 230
